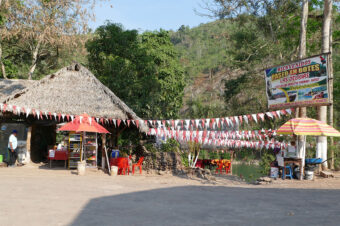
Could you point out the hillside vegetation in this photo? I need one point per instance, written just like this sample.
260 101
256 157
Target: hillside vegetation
225 60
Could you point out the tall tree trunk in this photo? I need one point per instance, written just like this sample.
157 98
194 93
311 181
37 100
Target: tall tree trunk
34 60
302 54
303 31
322 110
330 72
3 69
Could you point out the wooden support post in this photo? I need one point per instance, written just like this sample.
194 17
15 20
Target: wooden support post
103 150
28 145
231 163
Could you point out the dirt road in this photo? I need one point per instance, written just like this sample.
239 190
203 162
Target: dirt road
39 196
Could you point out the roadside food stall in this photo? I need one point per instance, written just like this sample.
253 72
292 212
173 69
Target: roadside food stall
302 127
81 143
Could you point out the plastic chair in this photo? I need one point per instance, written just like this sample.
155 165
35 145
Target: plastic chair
138 164
290 174
227 167
219 167
123 165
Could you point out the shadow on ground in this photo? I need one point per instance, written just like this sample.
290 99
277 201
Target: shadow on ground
213 205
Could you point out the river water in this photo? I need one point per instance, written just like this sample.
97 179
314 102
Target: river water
249 172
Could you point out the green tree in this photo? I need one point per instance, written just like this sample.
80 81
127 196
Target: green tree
143 70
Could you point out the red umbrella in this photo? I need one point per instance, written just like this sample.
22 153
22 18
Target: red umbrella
83 123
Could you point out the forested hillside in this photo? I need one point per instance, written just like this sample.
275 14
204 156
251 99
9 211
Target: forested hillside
225 60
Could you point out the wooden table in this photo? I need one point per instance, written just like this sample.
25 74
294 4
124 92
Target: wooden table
58 155
295 161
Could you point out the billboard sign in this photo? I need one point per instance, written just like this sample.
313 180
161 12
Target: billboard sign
298 84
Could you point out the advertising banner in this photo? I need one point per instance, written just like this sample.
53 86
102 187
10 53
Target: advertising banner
298 84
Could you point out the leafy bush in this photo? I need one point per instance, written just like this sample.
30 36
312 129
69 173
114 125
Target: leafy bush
170 145
151 148
185 161
267 158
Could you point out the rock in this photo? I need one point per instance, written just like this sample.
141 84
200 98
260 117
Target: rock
199 173
207 171
2 164
264 180
209 177
161 173
326 174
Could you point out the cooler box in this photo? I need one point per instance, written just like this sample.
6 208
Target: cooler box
313 161
115 154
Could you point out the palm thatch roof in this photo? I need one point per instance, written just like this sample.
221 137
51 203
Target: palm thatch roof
11 86
73 90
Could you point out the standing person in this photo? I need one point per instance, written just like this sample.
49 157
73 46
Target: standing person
12 146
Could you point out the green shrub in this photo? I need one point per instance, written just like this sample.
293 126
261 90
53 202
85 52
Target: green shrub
267 157
170 145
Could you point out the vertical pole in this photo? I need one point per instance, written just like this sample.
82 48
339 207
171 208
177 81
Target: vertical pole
28 144
301 144
231 162
322 110
330 91
103 150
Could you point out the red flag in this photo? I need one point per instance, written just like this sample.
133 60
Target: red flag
240 118
4 109
202 120
50 114
33 112
137 123
274 114
128 122
212 122
59 116
118 122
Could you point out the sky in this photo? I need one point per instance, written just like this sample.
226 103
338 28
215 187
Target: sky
149 14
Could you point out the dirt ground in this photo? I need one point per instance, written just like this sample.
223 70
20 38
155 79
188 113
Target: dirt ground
37 195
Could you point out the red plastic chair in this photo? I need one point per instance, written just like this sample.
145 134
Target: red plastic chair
122 164
219 167
227 168
138 164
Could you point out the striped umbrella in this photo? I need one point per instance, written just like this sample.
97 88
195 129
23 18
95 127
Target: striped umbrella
307 126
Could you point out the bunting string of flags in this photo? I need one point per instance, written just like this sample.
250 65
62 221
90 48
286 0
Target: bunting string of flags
207 125
196 134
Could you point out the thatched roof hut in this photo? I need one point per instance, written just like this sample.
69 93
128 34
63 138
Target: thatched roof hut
73 90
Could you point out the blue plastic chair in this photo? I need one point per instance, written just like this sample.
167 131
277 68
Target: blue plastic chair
289 175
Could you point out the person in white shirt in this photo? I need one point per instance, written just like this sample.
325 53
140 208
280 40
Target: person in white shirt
12 146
